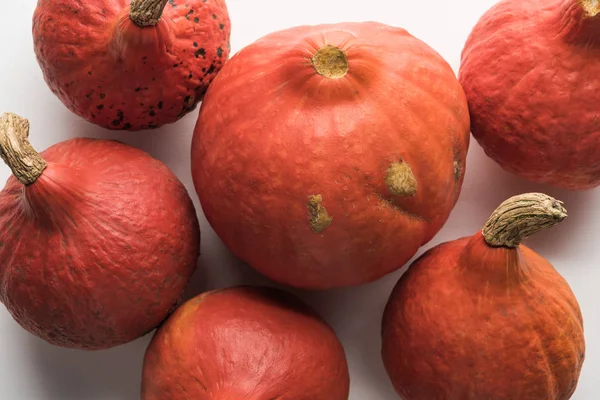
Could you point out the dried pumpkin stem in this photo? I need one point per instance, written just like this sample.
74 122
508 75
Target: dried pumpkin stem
26 164
522 216
330 62
591 7
146 12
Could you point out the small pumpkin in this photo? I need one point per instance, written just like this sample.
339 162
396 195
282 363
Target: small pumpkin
485 317
315 145
131 66
531 74
97 239
254 343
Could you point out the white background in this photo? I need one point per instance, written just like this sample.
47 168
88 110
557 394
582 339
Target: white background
30 369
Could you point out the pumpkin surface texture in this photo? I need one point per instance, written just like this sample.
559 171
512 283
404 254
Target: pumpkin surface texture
531 72
485 317
250 343
97 239
131 66
317 144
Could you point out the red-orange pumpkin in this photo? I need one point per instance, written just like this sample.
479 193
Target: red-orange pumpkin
485 317
325 156
131 67
97 239
245 343
531 74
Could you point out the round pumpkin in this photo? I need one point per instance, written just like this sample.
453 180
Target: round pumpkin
485 317
325 156
252 343
97 239
131 66
530 71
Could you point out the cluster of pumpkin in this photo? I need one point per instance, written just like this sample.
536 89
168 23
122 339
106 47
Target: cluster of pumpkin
323 156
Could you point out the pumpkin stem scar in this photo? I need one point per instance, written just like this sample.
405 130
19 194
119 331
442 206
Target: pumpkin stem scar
318 218
400 179
522 216
146 12
330 62
591 7
25 163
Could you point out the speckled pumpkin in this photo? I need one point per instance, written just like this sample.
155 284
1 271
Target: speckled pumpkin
485 317
325 156
245 343
131 66
531 72
97 239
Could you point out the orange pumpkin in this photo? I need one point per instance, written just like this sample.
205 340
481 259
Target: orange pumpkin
485 317
131 66
317 145
530 71
250 343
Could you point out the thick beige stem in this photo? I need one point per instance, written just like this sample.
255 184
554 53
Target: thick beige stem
26 163
591 7
330 62
522 216
146 12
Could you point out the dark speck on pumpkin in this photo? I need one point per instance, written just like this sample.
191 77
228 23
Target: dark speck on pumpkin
211 69
175 65
190 76
172 3
127 126
160 105
196 20
102 95
90 73
152 113
214 16
100 106
195 44
200 52
221 26
187 99
138 89
220 52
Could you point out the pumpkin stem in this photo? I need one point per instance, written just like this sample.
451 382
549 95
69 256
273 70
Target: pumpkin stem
146 12
591 7
330 62
579 21
26 164
522 216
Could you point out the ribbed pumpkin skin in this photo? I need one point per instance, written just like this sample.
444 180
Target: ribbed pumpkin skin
99 249
471 322
531 73
273 134
117 75
245 343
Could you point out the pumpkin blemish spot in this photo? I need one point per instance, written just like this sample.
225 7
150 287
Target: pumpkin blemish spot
400 179
457 170
319 219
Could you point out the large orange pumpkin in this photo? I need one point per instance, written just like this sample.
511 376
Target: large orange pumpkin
245 343
325 156
485 317
98 239
131 66
531 73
